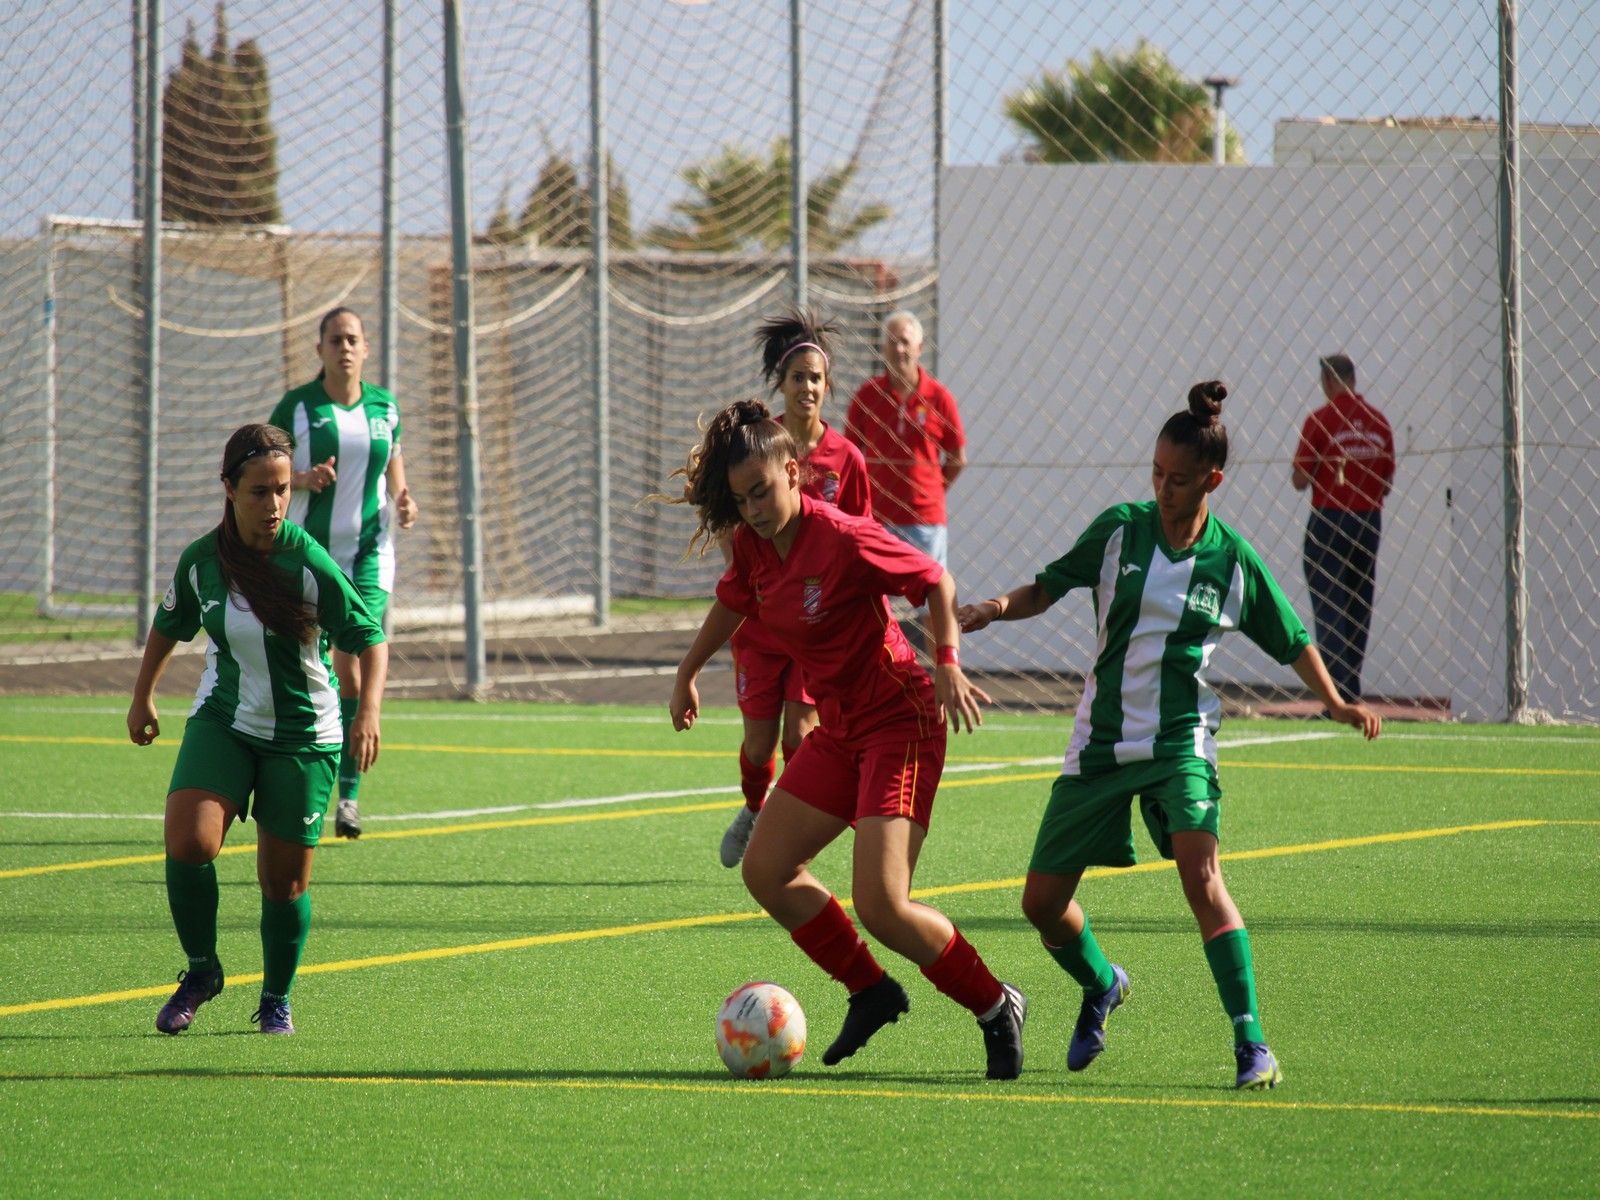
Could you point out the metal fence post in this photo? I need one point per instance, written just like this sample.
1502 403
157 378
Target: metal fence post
1511 372
467 448
144 602
600 252
388 301
797 142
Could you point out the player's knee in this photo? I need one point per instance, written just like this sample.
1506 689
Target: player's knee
284 890
191 847
881 913
1041 909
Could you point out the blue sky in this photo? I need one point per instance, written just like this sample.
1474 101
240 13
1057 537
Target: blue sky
685 78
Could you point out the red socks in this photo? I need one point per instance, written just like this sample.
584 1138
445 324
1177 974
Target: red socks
830 940
960 974
754 781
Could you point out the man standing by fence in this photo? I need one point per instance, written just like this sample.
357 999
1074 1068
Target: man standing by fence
909 430
1346 458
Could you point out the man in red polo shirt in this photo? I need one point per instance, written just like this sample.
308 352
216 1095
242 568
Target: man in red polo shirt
1346 458
908 428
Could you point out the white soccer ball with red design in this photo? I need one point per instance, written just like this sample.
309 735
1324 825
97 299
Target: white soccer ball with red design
761 1032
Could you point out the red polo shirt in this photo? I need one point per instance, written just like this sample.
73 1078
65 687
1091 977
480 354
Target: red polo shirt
901 437
1347 448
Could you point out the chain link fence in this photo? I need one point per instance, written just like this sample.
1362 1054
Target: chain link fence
1089 207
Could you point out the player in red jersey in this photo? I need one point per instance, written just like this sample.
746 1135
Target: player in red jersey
819 579
795 353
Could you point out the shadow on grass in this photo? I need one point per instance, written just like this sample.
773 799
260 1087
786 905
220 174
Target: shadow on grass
145 842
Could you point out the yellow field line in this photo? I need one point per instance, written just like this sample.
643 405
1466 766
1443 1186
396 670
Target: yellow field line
824 1091
610 814
585 935
1234 765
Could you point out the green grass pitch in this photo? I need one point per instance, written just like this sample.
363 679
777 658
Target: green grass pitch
520 1002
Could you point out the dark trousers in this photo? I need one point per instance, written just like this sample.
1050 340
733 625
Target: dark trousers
1341 555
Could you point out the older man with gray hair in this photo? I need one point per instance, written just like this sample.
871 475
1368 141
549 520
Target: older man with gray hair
909 430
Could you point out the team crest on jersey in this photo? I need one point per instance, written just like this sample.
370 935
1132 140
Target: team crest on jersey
830 486
378 428
170 600
811 599
1205 599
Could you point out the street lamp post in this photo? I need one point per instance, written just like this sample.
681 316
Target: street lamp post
1219 84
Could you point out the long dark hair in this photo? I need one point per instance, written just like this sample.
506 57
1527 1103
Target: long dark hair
744 430
1201 428
270 593
779 337
328 319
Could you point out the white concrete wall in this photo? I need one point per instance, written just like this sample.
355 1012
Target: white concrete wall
1077 305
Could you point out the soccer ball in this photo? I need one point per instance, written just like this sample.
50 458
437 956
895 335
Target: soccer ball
761 1032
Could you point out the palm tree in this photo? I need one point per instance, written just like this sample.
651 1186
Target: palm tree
741 203
1134 107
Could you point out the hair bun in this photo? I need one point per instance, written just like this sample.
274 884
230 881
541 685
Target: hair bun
1205 400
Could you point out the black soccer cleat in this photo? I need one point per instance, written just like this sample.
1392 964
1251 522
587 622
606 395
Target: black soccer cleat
870 1010
1002 1034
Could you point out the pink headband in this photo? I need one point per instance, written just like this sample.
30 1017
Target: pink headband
803 346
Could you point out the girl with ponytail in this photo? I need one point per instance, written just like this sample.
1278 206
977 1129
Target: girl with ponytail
818 580
796 360
1169 580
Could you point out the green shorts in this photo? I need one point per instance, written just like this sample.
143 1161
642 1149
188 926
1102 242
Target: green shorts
1088 821
291 784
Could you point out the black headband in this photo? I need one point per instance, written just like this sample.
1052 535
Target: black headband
229 472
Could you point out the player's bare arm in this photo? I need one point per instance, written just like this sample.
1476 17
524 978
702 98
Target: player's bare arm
721 623
1019 604
1313 673
143 727
958 696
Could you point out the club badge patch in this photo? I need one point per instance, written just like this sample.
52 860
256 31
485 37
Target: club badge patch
170 600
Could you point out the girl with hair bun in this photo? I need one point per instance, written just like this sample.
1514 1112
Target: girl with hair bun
1169 580
796 350
818 579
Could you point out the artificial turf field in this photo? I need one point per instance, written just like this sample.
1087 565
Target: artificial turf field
521 1001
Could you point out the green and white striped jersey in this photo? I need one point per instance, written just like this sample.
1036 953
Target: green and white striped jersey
1159 616
255 681
351 518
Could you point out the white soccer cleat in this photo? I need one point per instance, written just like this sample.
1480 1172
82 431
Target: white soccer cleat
737 837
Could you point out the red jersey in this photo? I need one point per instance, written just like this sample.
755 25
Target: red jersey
827 606
1348 450
901 438
838 474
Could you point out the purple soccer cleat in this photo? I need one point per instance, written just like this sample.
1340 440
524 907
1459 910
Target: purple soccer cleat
194 989
1089 1036
273 1015
1258 1069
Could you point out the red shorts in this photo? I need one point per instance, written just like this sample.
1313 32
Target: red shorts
886 779
764 677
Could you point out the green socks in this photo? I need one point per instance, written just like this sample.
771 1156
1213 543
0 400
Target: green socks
349 777
1083 960
192 897
1231 966
283 936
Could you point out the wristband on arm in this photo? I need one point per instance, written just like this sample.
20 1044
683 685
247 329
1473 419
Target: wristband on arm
946 656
